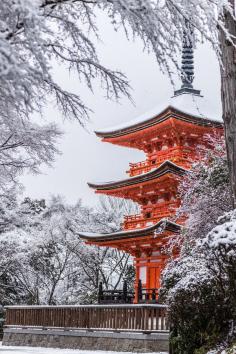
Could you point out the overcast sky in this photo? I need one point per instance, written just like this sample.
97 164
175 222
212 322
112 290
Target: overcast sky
83 156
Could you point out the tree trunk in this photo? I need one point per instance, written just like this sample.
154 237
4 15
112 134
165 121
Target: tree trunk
228 95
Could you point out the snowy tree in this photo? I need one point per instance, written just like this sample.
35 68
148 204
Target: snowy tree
199 288
204 191
33 35
199 284
228 90
47 268
109 213
103 264
43 261
24 147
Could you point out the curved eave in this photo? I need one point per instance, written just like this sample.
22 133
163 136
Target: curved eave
163 169
169 112
162 225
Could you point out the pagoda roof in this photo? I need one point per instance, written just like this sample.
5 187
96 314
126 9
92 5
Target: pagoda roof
162 225
185 107
165 168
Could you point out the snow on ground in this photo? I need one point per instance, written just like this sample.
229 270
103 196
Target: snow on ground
30 350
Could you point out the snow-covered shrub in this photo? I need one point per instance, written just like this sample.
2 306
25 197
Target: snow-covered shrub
200 290
199 286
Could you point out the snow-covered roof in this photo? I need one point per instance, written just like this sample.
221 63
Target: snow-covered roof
166 167
194 105
163 224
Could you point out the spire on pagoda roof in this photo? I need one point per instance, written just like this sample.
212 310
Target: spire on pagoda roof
187 103
187 68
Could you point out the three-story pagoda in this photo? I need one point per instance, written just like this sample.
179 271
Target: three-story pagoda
170 139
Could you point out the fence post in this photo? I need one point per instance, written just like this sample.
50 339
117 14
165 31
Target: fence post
100 293
140 290
125 290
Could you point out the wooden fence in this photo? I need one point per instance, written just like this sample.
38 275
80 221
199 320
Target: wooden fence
141 318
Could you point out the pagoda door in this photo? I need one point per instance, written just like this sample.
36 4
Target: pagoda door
154 277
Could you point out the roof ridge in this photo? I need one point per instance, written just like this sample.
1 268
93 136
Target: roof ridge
124 233
127 129
141 176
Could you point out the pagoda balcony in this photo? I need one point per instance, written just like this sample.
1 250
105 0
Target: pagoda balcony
140 221
182 156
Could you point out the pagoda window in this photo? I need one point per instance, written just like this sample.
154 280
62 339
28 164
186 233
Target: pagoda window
144 201
154 200
148 215
158 146
166 197
153 162
142 274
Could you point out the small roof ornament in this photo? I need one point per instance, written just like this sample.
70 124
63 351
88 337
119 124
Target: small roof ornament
187 68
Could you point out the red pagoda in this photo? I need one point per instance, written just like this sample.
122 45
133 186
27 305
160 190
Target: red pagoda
170 139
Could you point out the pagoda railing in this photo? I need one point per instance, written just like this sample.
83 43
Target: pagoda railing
123 296
144 295
140 317
181 156
140 167
147 295
140 221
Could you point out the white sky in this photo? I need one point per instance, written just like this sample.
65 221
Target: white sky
84 157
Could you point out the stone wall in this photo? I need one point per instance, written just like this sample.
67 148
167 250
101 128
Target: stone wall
110 341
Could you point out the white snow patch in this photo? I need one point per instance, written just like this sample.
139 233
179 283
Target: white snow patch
33 350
